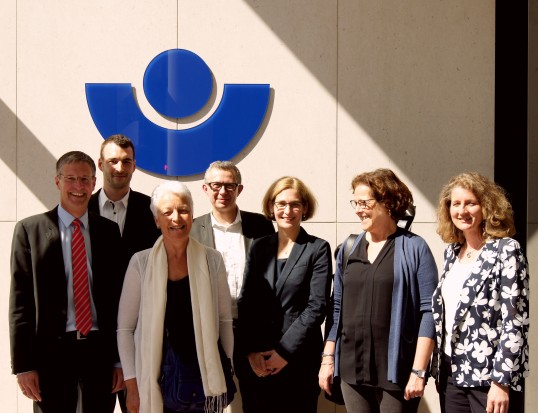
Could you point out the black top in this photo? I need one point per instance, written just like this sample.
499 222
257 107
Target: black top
366 315
279 267
178 320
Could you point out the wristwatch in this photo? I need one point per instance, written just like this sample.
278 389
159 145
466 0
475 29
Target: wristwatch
420 373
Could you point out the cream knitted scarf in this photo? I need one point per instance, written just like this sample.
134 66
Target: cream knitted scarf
151 328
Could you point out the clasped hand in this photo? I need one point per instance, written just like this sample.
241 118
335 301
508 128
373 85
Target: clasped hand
266 363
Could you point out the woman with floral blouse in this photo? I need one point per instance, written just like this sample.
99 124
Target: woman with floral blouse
481 305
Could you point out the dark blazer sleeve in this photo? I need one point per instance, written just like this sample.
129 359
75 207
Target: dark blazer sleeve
256 301
38 289
35 248
286 315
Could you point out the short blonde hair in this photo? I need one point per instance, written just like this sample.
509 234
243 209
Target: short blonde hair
289 182
498 216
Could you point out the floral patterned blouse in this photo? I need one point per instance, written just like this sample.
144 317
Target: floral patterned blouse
491 328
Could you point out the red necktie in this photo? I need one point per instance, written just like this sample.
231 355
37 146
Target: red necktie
81 289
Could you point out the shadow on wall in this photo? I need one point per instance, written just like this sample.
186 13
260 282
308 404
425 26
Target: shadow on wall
28 159
403 75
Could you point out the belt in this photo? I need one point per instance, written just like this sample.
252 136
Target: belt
78 336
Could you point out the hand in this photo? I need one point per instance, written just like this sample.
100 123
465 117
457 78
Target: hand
117 380
132 400
274 361
498 399
415 387
325 378
257 364
29 384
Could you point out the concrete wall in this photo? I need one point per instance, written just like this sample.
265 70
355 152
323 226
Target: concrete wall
356 85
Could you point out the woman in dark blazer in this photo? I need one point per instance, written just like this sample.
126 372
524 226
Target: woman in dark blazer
283 302
481 305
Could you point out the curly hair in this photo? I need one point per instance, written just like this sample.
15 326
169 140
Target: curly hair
387 188
289 182
498 216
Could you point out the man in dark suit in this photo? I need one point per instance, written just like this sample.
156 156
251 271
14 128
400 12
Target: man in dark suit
231 232
61 338
128 208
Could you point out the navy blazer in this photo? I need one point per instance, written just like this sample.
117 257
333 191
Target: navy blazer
140 231
253 226
285 315
38 295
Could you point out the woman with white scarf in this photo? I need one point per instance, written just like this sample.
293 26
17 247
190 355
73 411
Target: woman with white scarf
178 285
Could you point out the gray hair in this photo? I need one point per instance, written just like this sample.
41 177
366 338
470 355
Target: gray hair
74 157
224 166
170 187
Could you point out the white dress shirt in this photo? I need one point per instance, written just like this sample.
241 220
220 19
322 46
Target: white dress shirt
66 234
451 292
229 241
115 211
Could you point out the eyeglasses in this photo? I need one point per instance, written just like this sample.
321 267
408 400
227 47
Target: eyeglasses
228 187
84 180
363 203
295 205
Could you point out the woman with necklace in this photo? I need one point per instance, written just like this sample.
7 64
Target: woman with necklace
283 303
481 307
381 332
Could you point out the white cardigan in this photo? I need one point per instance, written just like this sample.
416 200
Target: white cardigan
129 338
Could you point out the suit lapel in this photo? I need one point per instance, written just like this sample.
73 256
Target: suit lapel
206 234
53 232
56 262
132 207
296 252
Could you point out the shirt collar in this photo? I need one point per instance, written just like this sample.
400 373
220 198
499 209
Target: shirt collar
103 199
215 223
67 219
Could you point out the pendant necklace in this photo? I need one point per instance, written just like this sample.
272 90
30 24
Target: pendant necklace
469 253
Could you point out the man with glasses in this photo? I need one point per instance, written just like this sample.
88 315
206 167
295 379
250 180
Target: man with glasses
230 231
119 203
65 288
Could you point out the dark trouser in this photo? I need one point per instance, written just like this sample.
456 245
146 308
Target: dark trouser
455 399
369 399
71 363
122 395
295 389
